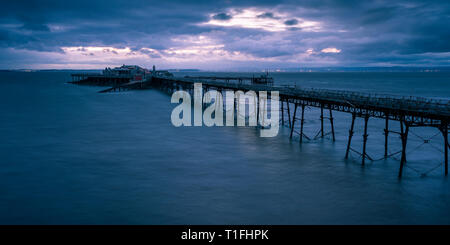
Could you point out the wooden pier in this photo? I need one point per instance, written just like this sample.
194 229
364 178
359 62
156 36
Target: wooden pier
408 111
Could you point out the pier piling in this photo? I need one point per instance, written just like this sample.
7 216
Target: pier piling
289 113
404 137
332 125
293 120
386 134
301 123
365 135
350 135
446 146
321 120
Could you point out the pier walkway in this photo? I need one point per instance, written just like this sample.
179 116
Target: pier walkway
410 111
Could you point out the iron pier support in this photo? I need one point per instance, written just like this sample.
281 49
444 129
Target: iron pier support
257 111
289 113
293 120
332 124
350 135
282 112
321 120
301 123
386 133
365 135
446 146
404 137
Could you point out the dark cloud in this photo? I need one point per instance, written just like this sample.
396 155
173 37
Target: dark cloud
222 16
291 22
397 32
150 53
378 15
268 15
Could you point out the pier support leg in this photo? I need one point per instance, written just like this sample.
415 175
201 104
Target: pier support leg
282 113
289 113
365 135
386 133
332 125
445 133
293 120
404 137
350 135
301 123
321 120
257 111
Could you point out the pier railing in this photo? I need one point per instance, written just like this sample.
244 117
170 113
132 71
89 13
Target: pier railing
428 107
393 102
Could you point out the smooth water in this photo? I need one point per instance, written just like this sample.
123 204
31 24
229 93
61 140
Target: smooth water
69 155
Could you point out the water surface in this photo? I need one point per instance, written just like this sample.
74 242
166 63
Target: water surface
72 156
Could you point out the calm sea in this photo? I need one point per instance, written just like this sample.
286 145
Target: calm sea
69 155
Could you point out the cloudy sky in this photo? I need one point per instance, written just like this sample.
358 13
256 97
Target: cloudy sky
224 35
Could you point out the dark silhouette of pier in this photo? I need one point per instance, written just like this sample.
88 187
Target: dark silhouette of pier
408 111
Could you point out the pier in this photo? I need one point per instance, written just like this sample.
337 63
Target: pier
407 111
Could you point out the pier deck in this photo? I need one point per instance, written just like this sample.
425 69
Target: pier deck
418 110
410 111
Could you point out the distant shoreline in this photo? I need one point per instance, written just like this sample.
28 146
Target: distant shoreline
277 70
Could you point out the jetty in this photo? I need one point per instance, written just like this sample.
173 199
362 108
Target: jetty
408 111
